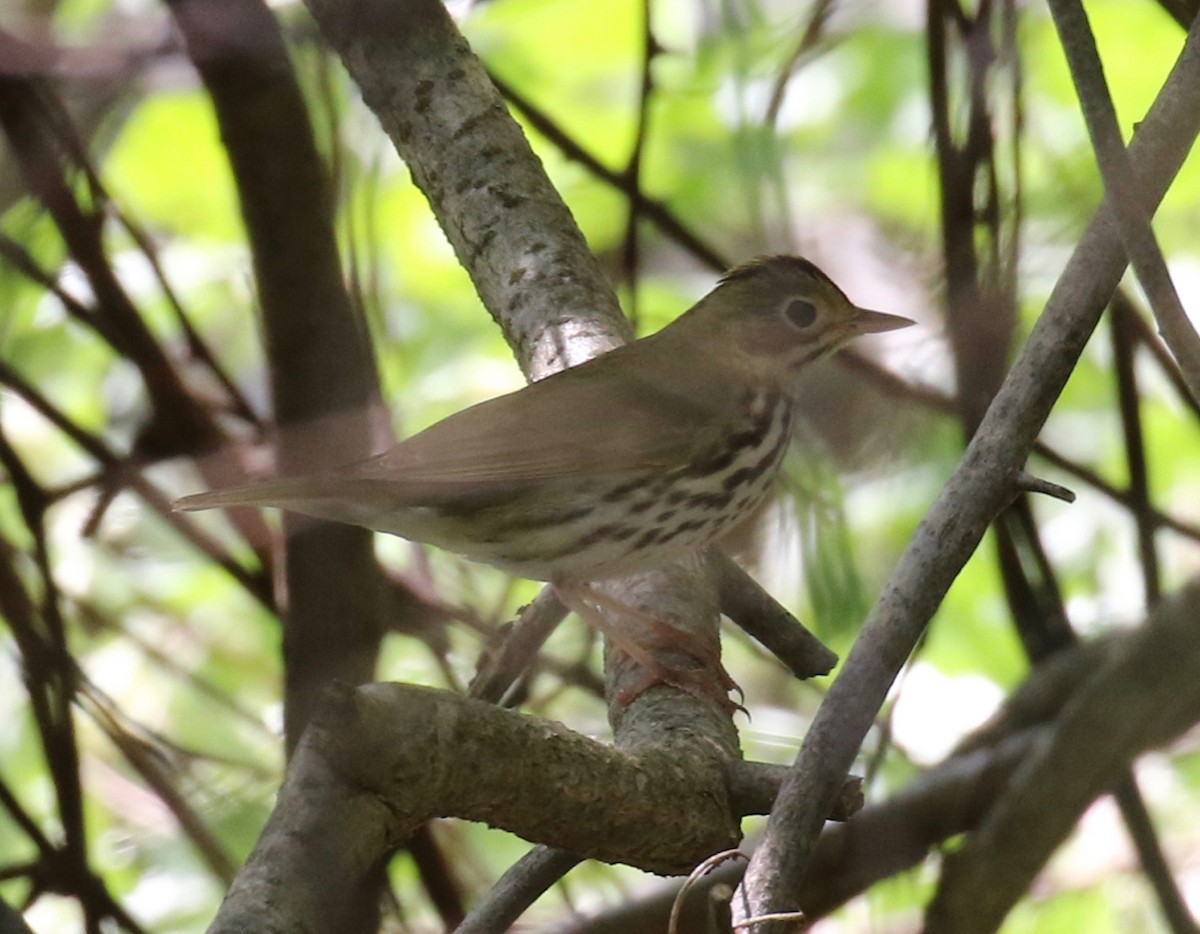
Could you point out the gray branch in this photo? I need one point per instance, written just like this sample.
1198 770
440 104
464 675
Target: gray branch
507 224
380 760
981 486
1133 223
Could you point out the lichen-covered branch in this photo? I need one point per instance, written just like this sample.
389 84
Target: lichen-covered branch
379 761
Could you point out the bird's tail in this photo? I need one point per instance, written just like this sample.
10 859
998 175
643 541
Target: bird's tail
287 493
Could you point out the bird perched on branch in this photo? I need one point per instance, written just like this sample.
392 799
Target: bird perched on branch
622 464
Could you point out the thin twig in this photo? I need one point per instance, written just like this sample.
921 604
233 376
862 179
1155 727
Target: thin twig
652 209
633 168
256 584
810 38
517 889
1133 223
1124 345
502 669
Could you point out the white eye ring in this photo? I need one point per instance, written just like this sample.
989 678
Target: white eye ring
800 313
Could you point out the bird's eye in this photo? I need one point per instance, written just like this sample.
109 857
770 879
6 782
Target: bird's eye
800 313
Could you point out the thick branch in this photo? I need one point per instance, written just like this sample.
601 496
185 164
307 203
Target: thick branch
1133 222
489 192
379 761
881 841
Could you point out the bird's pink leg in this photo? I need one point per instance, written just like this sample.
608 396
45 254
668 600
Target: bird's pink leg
709 680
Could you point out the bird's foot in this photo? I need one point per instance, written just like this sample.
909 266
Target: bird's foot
706 682
707 679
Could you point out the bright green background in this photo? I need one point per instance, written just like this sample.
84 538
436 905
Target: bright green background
845 176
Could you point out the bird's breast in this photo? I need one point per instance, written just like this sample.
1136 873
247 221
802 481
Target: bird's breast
583 528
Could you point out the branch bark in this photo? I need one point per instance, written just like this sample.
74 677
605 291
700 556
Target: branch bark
488 190
379 761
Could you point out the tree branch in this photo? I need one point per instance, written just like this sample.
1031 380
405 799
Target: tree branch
1144 695
490 193
379 761
1133 222
981 486
322 373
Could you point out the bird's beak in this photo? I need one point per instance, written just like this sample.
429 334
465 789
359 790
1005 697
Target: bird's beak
874 322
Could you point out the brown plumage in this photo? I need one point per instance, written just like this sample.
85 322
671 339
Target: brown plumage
622 464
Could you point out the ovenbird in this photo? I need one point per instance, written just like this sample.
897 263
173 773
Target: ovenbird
622 464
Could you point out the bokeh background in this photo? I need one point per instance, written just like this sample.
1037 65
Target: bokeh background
753 127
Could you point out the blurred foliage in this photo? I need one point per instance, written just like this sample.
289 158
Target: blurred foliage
843 174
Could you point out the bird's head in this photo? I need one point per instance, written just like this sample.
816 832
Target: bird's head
783 312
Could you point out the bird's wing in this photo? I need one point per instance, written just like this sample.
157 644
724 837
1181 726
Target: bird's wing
594 419
603 418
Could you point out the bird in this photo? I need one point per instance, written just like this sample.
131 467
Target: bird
625 463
